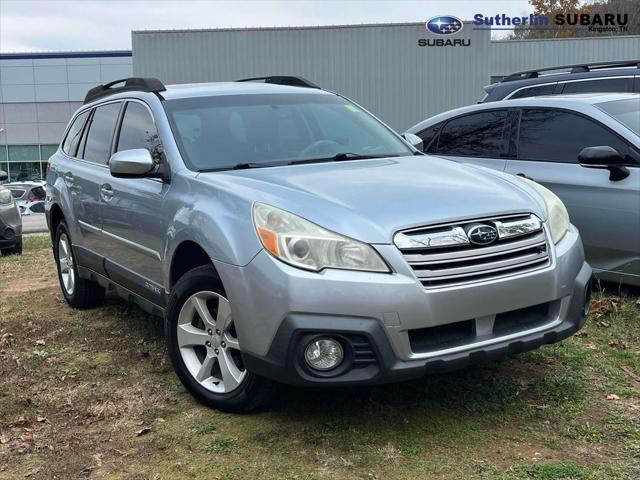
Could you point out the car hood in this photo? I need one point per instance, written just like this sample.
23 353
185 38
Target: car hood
372 199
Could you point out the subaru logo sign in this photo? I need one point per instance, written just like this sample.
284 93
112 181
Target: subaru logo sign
444 25
482 234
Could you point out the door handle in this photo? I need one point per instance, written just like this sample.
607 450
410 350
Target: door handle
106 192
524 176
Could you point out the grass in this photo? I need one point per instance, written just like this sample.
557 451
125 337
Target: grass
91 394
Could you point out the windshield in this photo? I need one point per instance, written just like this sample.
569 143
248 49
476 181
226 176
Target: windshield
220 132
627 112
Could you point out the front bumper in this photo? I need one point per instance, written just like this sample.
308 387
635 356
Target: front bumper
376 316
10 226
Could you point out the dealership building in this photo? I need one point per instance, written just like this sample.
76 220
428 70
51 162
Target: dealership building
38 94
400 72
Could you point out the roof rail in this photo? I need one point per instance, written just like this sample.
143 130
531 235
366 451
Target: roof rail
282 80
576 68
132 84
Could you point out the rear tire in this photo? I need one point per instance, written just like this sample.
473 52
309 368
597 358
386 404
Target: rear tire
78 292
200 338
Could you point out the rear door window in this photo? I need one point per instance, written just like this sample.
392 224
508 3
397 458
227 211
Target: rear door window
70 144
599 85
98 139
478 135
559 136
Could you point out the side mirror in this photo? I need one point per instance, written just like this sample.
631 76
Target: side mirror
3 175
604 157
133 163
414 140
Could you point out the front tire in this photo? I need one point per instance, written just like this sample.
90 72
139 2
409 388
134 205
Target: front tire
204 349
78 292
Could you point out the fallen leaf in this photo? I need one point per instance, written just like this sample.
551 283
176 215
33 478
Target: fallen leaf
143 431
40 419
613 396
26 437
4 439
34 471
40 343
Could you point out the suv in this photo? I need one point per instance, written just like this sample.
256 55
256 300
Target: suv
286 235
583 147
581 78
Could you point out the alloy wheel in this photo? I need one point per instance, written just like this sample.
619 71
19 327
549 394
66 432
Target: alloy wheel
208 343
65 260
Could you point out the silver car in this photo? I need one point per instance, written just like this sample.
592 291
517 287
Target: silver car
10 221
584 148
286 235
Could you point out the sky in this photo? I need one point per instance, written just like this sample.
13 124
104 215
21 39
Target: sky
51 25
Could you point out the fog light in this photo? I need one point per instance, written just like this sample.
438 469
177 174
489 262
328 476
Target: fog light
323 354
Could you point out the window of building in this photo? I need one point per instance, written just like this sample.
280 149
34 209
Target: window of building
47 150
558 136
139 131
478 135
98 139
24 153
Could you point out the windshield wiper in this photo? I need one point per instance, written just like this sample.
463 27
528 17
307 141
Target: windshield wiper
339 157
239 166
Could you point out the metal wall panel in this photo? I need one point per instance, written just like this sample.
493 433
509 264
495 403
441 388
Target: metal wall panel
380 66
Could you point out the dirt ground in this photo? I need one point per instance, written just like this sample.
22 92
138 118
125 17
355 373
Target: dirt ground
90 394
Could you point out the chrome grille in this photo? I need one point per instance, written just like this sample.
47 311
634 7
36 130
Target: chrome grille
443 255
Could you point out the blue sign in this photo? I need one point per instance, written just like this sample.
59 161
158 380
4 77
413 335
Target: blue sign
444 25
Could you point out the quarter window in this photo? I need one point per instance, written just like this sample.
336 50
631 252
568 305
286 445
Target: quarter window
534 91
139 131
98 142
604 85
478 135
557 136
70 144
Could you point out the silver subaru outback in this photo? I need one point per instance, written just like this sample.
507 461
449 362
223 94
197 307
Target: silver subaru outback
288 236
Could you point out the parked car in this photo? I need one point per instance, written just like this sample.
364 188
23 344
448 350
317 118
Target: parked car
602 77
25 192
10 222
286 235
585 148
32 208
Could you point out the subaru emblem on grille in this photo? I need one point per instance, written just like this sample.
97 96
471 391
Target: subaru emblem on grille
482 234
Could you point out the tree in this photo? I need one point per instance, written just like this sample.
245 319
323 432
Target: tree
550 8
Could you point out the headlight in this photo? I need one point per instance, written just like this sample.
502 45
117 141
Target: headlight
5 197
303 244
558 217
